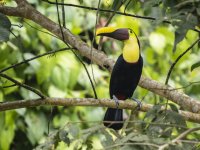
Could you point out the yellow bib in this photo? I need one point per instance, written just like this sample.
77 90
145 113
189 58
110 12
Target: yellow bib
131 52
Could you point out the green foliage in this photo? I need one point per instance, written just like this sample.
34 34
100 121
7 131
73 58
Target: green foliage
162 122
183 15
36 126
5 25
117 4
62 75
7 124
194 66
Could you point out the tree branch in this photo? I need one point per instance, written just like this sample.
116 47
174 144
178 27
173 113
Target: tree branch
183 100
185 133
4 106
178 58
23 85
19 1
104 10
180 137
30 59
27 11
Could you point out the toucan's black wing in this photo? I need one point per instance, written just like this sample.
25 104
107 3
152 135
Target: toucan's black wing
125 78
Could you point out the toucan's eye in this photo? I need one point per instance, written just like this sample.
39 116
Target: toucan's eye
130 31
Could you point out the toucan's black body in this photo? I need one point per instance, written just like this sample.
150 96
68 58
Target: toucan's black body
126 72
124 80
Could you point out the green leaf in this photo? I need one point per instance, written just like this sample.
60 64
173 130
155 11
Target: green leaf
117 4
74 131
26 94
140 138
4 21
178 38
173 107
128 147
153 112
81 1
197 146
183 24
108 140
195 65
5 25
63 136
8 131
4 36
2 121
55 92
37 126
126 138
175 118
89 144
60 77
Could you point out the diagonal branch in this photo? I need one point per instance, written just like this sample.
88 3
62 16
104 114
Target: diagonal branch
27 11
177 139
103 10
4 106
30 59
23 85
183 100
178 58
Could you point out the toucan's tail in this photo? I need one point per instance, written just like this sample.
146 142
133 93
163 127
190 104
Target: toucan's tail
113 114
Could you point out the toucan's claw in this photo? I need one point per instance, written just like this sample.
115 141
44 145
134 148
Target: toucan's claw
139 103
116 101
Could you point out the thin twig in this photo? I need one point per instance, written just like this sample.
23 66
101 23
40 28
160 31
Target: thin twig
107 23
185 133
30 59
94 35
183 87
8 86
23 85
132 121
88 74
189 141
17 25
59 22
111 11
136 143
127 6
105 10
175 62
180 137
177 59
63 15
39 29
63 38
186 2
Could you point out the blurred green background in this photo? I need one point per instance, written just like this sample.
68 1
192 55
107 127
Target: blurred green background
62 75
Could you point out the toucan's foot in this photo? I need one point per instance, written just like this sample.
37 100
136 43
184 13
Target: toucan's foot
139 104
116 101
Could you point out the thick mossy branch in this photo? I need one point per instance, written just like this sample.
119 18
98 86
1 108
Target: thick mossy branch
25 10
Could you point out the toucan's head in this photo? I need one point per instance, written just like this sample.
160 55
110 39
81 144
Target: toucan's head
121 34
131 49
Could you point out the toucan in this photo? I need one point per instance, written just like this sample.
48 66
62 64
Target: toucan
126 72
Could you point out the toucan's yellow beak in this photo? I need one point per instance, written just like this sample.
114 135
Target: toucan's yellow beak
116 33
105 30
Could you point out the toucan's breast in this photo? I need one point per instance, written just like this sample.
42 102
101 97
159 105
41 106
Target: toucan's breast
125 77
